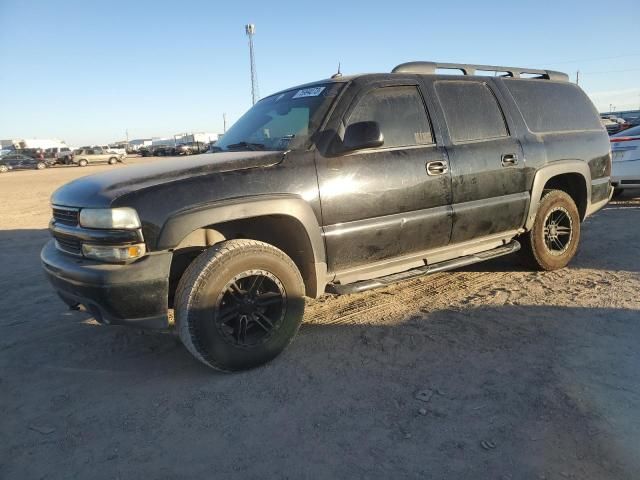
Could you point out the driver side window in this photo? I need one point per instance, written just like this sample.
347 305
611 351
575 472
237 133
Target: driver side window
400 113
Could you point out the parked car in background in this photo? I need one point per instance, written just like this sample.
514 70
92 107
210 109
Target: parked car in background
625 169
191 148
20 161
60 155
85 156
213 148
145 151
164 150
633 121
36 153
611 125
114 149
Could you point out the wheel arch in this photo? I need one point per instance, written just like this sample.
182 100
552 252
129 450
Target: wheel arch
570 176
285 222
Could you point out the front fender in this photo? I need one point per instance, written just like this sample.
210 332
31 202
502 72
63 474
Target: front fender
181 224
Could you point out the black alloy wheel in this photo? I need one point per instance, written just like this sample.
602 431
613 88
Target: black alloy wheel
250 307
558 230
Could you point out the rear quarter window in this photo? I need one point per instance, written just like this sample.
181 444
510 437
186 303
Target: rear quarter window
630 132
471 111
553 107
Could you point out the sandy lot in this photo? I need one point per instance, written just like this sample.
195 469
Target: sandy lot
490 372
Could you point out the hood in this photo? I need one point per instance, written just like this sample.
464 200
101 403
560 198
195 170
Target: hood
99 190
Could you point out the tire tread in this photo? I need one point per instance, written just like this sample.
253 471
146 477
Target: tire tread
212 258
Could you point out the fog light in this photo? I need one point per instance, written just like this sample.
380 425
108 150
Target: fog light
110 253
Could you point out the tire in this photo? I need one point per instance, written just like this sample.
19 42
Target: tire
113 161
41 165
83 163
205 297
617 192
549 247
4 169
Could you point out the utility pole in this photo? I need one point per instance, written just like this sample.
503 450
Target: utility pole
224 123
578 77
250 30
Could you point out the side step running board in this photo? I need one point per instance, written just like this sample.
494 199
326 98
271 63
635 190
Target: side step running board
452 264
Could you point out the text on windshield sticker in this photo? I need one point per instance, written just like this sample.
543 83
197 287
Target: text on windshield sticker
309 92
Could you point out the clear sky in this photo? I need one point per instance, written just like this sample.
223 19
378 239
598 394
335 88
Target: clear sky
86 71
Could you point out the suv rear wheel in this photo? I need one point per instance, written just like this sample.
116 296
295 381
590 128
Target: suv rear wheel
41 165
4 169
554 238
83 163
239 304
113 161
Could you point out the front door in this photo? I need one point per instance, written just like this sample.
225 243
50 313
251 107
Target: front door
382 203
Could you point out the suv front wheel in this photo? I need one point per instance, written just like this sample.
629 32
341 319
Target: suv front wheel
554 238
239 304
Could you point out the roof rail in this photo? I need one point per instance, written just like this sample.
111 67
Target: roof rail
470 69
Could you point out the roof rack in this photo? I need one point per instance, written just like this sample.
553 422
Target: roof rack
470 69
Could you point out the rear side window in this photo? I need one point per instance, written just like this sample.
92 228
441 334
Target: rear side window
471 110
629 132
400 113
553 107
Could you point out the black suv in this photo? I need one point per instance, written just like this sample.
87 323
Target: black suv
340 185
18 161
60 155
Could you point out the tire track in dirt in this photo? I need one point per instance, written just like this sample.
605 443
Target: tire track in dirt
399 300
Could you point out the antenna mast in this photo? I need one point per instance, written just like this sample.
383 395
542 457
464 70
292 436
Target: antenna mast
250 30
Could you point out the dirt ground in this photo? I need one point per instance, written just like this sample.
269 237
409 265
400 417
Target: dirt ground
493 372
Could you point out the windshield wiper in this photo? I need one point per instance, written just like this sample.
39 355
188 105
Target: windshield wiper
247 145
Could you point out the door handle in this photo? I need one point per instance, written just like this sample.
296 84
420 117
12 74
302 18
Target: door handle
509 159
437 168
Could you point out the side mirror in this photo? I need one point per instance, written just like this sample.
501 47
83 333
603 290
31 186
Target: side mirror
362 135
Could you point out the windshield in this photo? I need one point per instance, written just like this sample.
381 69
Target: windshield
285 121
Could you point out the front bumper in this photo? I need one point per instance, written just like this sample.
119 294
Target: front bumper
121 294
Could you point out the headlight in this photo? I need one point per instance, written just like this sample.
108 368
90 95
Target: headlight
124 217
107 253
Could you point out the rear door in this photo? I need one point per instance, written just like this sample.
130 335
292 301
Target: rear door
381 203
487 164
99 155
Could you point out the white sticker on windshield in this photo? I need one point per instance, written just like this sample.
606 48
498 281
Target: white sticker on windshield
309 92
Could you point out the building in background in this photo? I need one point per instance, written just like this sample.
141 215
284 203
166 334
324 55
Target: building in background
199 137
169 141
43 143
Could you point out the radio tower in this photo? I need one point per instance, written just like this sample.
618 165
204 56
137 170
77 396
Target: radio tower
250 30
